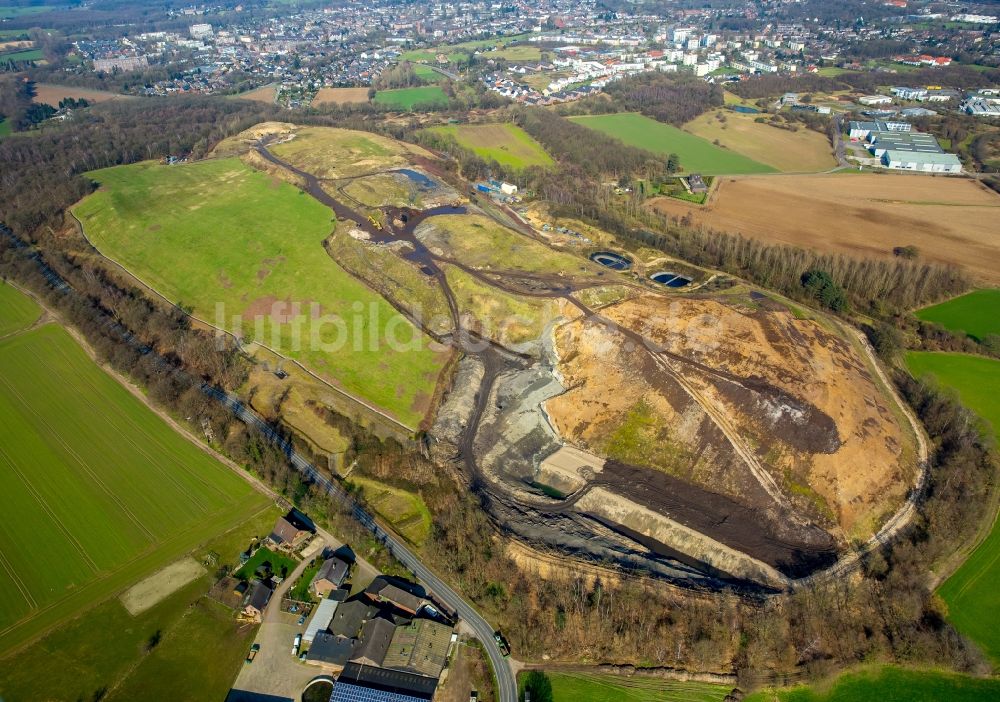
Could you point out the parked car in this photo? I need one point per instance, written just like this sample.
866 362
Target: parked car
253 653
296 644
302 620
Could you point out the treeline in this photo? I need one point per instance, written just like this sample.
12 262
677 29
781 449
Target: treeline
667 97
41 175
594 155
402 75
877 286
773 85
955 76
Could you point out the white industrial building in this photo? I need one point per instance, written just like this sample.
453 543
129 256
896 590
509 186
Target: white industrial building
921 162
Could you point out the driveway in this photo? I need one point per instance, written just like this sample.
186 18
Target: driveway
275 672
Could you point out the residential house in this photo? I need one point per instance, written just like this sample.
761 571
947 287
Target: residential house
330 576
257 598
290 531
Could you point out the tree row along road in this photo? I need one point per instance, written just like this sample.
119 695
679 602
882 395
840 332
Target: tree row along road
506 684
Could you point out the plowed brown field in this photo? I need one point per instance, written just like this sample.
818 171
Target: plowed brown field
950 220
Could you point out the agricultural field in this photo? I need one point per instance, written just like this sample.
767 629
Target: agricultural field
17 11
404 510
976 313
52 94
408 98
971 590
426 73
949 220
29 55
889 684
265 93
340 96
507 144
696 154
595 687
93 656
17 310
94 500
801 151
245 251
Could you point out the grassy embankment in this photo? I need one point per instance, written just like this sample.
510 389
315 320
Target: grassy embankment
245 251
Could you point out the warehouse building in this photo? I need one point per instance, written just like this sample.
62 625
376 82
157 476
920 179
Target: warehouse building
880 142
922 162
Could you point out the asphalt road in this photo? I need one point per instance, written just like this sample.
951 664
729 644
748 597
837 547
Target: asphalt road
506 684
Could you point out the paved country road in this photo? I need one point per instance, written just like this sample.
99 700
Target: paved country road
506 684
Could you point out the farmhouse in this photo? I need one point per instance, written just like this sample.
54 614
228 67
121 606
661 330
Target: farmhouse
258 596
419 647
382 591
289 531
376 635
923 162
330 649
330 576
361 682
697 183
324 614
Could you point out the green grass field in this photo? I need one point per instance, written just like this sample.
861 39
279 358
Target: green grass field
594 687
5 128
17 311
28 55
96 490
105 646
696 154
246 252
407 98
507 144
426 73
889 684
971 592
976 313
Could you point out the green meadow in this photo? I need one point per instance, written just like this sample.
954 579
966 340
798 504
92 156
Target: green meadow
976 313
5 128
595 687
105 652
245 251
17 311
27 55
408 98
696 154
889 684
96 490
971 593
507 144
